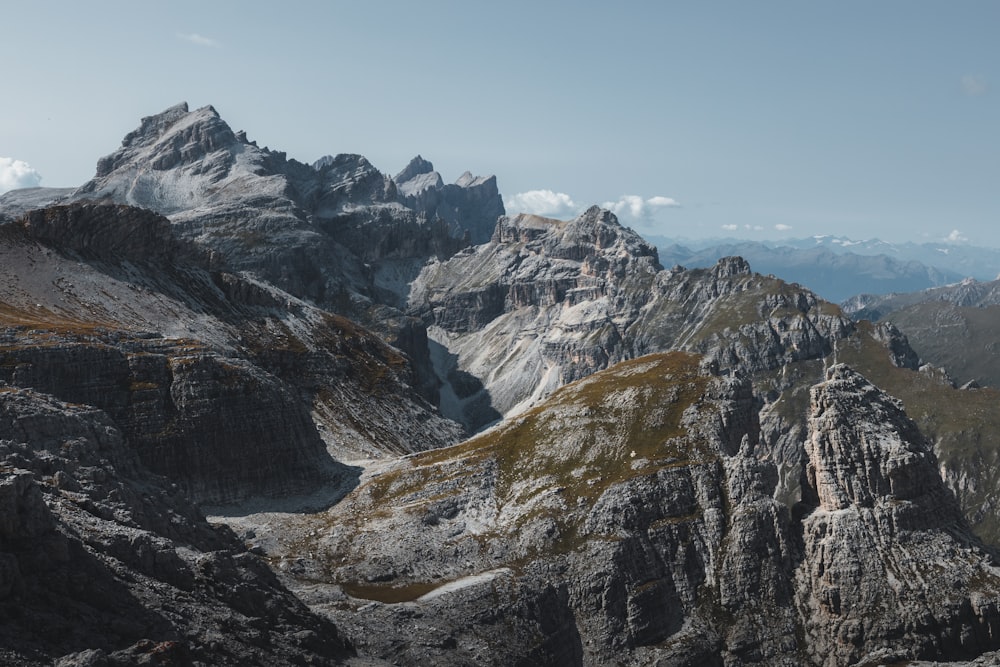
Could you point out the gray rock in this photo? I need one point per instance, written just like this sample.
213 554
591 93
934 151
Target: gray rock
629 520
114 573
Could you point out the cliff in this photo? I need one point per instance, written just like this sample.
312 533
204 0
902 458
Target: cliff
629 519
104 563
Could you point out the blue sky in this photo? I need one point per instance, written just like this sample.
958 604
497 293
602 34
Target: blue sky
692 119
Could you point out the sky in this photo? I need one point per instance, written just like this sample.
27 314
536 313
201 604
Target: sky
688 119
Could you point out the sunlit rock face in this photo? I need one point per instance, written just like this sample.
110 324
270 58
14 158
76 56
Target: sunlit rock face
629 518
546 302
889 566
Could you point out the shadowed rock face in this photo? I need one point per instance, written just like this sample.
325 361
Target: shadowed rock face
471 205
114 233
103 563
214 378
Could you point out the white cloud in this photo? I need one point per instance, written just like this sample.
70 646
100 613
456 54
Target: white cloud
200 40
16 174
730 228
541 202
956 237
636 207
753 228
783 228
974 85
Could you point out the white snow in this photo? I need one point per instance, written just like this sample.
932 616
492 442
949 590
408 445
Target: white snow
464 582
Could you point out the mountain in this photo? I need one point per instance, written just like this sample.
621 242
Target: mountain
630 519
338 234
230 386
954 327
668 466
836 272
104 563
950 256
472 204
547 302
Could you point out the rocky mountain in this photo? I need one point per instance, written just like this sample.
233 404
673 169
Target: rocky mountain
104 563
954 327
629 519
547 302
671 466
338 234
835 272
472 204
225 384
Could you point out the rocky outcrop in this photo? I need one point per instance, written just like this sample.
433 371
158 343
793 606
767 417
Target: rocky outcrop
109 232
547 302
102 563
226 385
629 519
471 205
900 352
890 569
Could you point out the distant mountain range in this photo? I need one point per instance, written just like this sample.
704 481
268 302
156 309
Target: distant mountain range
837 268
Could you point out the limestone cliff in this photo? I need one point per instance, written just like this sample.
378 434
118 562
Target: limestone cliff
229 386
628 519
547 302
103 563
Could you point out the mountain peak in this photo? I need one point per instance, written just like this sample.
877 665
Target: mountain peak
416 167
174 136
864 449
597 214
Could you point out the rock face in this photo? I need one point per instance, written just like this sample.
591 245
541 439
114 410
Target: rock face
547 302
115 233
889 566
339 234
103 563
472 204
628 519
228 386
277 217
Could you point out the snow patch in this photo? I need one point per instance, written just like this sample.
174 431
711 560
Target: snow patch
464 582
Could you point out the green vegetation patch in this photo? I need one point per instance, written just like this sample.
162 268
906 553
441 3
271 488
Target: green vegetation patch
604 429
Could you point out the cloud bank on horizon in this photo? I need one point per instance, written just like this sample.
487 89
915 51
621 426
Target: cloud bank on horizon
16 174
559 204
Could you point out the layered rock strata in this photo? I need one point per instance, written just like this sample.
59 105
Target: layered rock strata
629 519
103 563
229 386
